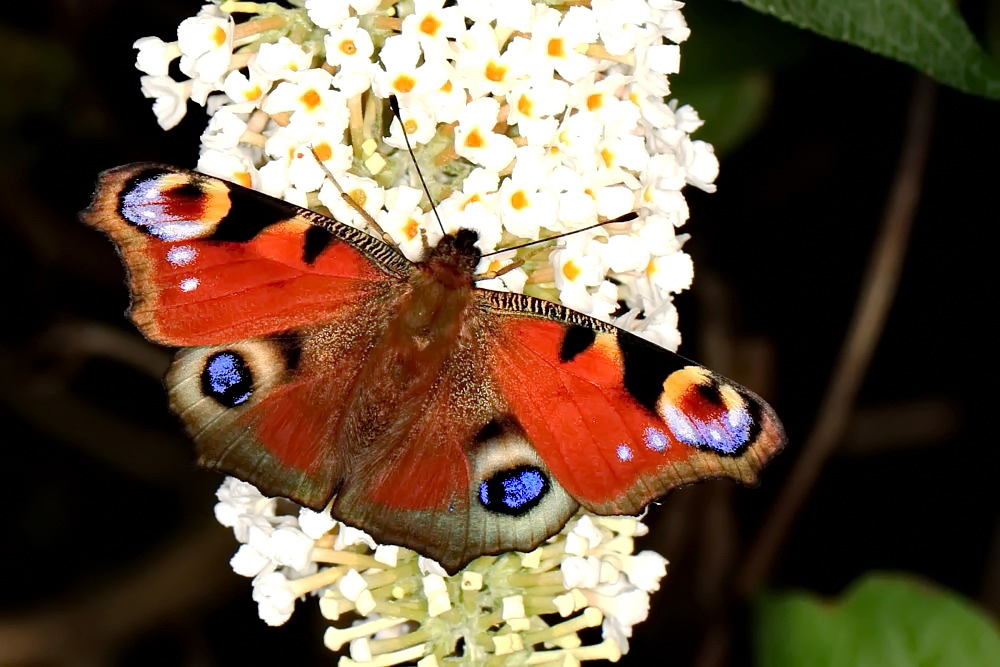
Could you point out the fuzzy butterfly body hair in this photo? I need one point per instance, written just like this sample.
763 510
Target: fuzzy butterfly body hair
323 366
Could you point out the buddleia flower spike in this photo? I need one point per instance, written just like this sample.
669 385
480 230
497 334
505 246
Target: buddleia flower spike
528 120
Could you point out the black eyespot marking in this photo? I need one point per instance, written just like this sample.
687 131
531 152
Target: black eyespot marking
515 491
577 340
710 392
227 378
187 191
646 368
317 239
250 213
494 428
290 343
754 412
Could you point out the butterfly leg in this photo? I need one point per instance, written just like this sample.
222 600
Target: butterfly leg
490 275
531 252
425 242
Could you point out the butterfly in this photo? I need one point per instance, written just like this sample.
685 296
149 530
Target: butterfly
321 365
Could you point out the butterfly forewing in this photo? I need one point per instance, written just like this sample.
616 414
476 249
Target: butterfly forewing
211 262
620 420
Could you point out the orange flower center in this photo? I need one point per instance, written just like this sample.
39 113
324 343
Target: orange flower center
310 99
430 25
571 270
495 72
404 83
470 200
524 105
359 196
411 229
519 200
474 139
323 151
219 36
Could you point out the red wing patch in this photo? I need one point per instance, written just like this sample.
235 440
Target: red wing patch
212 262
620 421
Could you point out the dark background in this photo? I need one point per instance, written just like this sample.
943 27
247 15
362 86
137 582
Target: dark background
110 552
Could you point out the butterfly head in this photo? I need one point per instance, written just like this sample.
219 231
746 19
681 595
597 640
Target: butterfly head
457 251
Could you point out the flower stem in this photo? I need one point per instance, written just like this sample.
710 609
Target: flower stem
257 26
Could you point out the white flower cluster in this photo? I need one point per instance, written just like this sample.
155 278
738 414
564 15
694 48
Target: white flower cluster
528 118
408 609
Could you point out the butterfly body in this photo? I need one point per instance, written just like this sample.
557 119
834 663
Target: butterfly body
322 365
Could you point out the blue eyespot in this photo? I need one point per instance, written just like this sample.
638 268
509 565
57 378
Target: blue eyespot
227 378
728 435
168 212
515 491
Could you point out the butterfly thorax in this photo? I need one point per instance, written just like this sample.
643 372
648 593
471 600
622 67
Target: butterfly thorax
420 338
431 316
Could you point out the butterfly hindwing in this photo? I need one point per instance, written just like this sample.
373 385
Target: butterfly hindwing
465 481
272 409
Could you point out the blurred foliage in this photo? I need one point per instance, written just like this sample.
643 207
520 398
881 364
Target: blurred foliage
929 35
729 78
731 57
884 620
36 72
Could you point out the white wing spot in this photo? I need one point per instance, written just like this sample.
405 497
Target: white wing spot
181 255
624 453
655 439
189 284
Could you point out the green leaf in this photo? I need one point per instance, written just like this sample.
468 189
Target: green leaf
733 106
882 621
930 35
727 78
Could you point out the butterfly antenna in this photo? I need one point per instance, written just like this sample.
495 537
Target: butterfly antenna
394 105
631 215
353 204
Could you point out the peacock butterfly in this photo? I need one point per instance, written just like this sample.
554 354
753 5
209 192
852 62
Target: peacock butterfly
321 364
